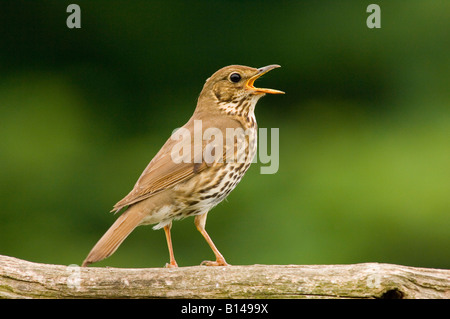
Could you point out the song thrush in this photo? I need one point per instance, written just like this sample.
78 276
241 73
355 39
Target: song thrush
191 175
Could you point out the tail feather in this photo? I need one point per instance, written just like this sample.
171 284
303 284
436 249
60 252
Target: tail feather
115 235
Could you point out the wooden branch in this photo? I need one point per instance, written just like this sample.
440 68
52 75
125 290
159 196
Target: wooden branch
24 279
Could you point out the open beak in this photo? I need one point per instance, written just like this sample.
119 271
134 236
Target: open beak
261 71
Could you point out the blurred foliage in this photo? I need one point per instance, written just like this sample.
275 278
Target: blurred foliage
364 127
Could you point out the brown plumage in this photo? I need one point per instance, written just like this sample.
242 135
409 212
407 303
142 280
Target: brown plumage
189 176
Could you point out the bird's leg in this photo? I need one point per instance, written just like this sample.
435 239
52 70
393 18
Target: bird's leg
172 263
200 221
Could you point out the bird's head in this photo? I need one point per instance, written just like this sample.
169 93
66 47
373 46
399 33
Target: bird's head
232 87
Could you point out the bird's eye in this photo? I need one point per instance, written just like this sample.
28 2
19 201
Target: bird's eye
235 77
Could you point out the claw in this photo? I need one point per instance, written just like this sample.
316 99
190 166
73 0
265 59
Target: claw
214 263
168 265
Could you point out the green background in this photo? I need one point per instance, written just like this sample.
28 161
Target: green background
364 128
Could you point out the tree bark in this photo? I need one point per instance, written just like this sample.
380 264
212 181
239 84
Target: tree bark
24 279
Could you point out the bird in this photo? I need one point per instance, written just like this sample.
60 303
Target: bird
198 166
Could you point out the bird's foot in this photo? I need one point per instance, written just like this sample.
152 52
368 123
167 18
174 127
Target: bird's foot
218 262
172 264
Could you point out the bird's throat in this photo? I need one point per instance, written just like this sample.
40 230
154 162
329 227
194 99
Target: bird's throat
243 106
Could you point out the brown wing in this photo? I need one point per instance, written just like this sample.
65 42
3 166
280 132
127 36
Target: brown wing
163 172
